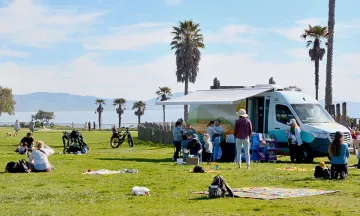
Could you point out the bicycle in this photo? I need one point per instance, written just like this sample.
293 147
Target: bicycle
118 138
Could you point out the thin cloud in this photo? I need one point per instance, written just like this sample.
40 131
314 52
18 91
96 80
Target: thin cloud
235 68
29 23
13 53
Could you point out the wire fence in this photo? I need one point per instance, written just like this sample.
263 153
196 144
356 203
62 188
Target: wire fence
73 125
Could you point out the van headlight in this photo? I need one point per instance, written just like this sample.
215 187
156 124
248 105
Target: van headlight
321 135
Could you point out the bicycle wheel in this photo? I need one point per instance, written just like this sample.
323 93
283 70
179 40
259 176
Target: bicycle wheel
65 150
114 142
130 141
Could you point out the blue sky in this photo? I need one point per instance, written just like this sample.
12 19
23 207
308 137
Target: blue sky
118 48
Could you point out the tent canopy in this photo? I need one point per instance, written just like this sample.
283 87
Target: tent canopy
218 96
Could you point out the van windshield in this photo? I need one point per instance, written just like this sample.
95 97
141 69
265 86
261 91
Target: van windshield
312 113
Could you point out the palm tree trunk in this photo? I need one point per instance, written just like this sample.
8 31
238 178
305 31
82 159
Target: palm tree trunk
331 26
138 119
119 115
119 120
186 111
99 120
164 112
317 60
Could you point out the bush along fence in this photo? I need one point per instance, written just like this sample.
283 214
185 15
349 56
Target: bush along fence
156 132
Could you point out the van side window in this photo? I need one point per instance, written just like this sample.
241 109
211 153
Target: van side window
283 114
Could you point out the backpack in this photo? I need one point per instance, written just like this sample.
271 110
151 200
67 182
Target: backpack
322 173
198 169
14 167
219 187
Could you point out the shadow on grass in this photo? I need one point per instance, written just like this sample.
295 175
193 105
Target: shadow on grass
289 162
140 160
306 179
200 198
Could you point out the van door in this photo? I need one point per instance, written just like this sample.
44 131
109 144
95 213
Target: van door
266 114
278 119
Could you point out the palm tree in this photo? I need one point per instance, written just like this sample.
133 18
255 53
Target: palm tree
187 41
316 54
120 110
99 109
330 46
165 94
139 108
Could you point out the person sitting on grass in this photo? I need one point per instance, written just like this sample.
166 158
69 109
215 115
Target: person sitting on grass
38 160
339 154
113 129
185 145
26 143
195 147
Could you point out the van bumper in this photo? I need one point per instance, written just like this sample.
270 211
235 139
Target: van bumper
320 147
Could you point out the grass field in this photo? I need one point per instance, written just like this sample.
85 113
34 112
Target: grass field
66 191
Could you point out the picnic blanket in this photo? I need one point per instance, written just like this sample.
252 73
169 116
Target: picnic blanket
292 169
270 193
107 172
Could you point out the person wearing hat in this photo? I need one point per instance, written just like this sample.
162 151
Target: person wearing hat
295 145
242 133
217 138
195 147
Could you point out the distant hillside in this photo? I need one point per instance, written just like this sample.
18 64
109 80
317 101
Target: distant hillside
68 102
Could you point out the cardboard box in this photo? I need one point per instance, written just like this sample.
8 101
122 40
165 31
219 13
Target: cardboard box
192 161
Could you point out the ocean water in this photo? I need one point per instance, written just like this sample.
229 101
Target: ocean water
108 117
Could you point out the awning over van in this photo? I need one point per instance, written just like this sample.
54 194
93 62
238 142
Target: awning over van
219 96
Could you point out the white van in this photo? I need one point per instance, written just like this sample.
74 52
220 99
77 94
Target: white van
270 107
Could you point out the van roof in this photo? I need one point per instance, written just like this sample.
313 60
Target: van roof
297 97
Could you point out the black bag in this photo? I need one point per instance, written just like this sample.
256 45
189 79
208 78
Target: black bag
322 173
12 167
219 187
198 169
21 167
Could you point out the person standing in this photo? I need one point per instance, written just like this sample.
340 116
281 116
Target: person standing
177 139
89 125
339 154
16 127
86 124
242 133
210 129
208 147
295 142
217 138
32 126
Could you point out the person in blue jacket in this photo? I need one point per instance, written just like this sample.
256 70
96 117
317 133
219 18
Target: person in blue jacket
218 137
339 154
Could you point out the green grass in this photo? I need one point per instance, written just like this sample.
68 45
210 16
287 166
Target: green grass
66 191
